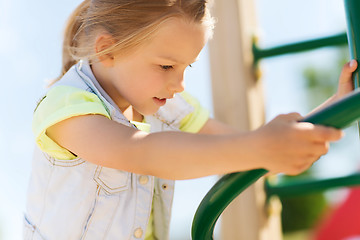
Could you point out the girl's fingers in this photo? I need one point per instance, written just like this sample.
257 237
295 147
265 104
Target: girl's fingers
317 133
291 117
326 134
347 70
320 149
353 64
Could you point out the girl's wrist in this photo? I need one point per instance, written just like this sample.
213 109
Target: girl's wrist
253 148
335 97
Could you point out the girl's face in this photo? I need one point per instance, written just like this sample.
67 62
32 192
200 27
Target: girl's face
146 78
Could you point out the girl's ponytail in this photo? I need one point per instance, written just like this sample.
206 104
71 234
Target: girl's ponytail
72 34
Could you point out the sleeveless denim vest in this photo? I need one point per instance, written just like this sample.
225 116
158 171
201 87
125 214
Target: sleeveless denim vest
75 199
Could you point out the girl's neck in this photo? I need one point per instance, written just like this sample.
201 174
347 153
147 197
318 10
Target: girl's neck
133 115
127 110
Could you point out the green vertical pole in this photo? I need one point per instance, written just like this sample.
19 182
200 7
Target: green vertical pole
352 12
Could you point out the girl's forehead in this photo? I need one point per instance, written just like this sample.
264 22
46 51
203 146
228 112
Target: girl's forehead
178 40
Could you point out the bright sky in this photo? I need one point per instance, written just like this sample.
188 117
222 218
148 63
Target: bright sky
30 46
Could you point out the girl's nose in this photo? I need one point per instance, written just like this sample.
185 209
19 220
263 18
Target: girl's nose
177 85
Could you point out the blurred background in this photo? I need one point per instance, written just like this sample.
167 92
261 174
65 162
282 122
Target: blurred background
30 50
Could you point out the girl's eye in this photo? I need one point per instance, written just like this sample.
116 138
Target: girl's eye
190 65
166 67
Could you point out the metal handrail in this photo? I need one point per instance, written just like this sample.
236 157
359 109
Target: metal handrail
335 40
218 198
338 115
308 186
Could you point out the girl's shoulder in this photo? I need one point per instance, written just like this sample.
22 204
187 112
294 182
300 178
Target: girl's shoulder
60 103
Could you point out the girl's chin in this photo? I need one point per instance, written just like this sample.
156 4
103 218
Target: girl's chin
148 111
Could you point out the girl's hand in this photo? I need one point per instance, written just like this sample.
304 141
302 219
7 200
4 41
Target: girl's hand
345 85
288 146
345 81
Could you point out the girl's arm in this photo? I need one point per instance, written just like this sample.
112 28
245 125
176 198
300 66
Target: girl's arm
283 145
345 86
213 126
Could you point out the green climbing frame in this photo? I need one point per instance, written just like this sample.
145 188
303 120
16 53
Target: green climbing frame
339 115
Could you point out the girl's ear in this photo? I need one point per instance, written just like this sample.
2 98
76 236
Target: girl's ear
102 43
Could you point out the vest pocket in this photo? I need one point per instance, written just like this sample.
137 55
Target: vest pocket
112 180
64 163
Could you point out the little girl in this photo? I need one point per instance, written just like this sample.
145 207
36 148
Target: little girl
116 129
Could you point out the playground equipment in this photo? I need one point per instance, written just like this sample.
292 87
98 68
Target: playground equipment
338 115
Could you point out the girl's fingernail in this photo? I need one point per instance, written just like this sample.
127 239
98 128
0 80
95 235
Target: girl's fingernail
352 63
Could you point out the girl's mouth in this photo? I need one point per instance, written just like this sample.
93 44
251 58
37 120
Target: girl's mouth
159 101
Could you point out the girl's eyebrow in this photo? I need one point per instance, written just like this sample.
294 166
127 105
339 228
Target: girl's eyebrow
175 60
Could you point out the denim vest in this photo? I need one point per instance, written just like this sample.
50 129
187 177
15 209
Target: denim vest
75 199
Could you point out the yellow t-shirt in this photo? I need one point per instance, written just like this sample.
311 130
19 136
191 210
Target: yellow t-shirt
63 102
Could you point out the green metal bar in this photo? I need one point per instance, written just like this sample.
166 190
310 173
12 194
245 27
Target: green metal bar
353 34
218 198
339 115
335 40
299 187
352 12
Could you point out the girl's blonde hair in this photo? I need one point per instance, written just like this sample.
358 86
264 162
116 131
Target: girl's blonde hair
129 22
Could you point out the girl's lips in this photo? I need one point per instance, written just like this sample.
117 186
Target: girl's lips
160 101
